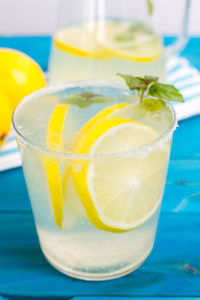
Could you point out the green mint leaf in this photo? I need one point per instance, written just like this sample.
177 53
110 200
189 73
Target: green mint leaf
127 78
87 94
85 98
73 99
150 7
150 87
165 92
134 83
153 104
124 38
100 99
76 99
149 79
136 27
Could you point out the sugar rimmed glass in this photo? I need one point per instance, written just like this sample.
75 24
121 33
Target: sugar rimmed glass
78 247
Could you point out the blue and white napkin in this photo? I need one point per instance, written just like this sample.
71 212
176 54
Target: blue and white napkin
187 79
179 73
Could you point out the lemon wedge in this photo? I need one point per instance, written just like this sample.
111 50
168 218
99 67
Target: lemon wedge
119 194
78 40
55 143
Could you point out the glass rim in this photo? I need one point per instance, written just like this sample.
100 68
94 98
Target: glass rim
139 152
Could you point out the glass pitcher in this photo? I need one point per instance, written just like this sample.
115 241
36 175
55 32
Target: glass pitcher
99 38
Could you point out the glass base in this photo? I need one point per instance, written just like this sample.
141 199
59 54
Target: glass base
89 276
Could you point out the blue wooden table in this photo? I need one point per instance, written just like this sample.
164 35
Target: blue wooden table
173 268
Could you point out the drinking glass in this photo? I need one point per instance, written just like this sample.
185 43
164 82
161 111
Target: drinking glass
95 175
97 38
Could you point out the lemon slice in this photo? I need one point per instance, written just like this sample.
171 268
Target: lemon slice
55 143
110 111
115 110
71 199
119 194
78 40
140 45
107 112
142 53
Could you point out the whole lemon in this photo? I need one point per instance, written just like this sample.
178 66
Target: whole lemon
20 75
5 116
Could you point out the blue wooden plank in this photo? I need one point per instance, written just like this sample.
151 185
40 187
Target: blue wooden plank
186 142
173 269
13 192
133 298
3 298
96 298
182 192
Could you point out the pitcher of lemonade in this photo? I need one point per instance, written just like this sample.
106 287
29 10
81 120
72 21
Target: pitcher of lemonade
97 38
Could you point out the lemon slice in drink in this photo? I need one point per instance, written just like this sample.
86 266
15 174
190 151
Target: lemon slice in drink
75 205
130 41
108 112
119 193
79 41
115 110
55 143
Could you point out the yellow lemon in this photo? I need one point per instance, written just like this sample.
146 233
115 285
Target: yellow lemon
5 117
119 193
20 75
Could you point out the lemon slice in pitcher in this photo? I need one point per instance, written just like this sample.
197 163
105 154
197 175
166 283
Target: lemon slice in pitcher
142 53
119 194
78 40
130 40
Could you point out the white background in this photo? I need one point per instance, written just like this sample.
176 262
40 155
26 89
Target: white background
38 17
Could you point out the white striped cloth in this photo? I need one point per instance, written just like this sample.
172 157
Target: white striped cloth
179 73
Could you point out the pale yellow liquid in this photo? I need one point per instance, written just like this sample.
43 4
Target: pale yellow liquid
79 248
64 66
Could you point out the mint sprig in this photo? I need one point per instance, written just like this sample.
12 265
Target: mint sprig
149 87
150 7
122 38
85 98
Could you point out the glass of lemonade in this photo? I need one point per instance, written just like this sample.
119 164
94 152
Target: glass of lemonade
95 162
96 38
